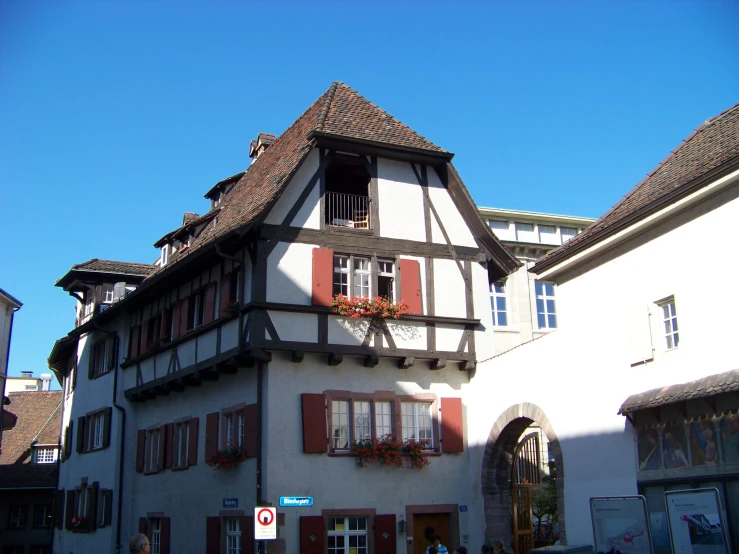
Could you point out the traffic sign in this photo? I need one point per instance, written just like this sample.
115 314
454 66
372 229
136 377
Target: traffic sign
265 523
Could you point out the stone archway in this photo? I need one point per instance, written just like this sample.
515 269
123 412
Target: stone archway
496 468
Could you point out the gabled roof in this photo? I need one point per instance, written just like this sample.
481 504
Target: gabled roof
39 419
106 267
712 145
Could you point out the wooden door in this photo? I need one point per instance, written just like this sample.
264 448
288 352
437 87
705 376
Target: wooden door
525 479
430 524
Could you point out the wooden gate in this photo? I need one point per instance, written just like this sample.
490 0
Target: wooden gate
525 479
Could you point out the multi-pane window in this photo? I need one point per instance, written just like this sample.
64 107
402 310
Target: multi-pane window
107 294
196 310
100 356
567 233
82 502
180 443
386 279
240 428
228 422
545 310
153 330
151 453
155 535
341 275
42 516
347 535
17 517
96 431
362 278
232 426
89 303
416 423
383 422
498 304
669 318
340 424
44 455
362 421
233 535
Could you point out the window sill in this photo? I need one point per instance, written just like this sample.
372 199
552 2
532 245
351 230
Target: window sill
506 329
179 468
93 450
101 375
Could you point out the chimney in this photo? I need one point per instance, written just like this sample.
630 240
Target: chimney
188 217
27 374
46 378
258 146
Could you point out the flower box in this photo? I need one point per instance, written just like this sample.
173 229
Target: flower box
377 307
389 451
230 309
80 524
227 458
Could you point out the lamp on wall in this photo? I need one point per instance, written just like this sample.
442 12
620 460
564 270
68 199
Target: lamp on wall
401 526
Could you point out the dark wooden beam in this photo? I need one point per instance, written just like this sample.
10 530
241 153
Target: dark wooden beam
261 355
208 374
161 390
439 363
175 385
468 366
147 394
335 358
405 363
298 356
227 368
372 360
193 380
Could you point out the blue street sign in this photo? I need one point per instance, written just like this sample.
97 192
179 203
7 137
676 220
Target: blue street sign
463 508
230 502
296 501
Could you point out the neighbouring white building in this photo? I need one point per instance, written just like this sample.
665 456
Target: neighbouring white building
637 390
27 382
230 342
8 306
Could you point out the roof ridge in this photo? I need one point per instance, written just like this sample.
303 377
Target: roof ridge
327 106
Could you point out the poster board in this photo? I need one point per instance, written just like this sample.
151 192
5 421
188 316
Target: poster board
621 524
696 522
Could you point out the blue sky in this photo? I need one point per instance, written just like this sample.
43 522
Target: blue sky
116 117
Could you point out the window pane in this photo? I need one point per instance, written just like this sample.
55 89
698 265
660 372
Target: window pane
502 320
362 420
340 421
541 320
538 286
382 418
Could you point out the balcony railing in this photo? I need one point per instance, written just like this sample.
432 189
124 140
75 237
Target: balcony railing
347 210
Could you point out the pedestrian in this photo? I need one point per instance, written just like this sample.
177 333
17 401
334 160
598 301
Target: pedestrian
499 547
139 544
436 543
485 549
461 550
431 550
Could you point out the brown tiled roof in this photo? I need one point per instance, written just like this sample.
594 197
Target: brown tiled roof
714 143
39 418
708 386
109 266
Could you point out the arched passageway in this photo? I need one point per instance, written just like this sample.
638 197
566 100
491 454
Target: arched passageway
496 468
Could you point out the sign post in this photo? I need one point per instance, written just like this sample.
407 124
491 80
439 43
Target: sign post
620 524
697 522
265 523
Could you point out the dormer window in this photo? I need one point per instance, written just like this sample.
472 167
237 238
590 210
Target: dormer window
106 296
165 251
347 201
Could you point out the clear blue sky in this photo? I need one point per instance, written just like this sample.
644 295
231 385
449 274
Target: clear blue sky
116 117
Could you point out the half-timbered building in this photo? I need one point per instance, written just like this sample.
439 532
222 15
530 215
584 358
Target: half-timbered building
228 350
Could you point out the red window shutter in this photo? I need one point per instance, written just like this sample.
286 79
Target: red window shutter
323 276
192 444
225 293
410 285
212 535
140 450
143 525
184 313
210 303
250 430
211 434
69 511
59 508
312 535
315 439
452 437
247 534
93 509
164 535
385 526
176 320
163 446
167 444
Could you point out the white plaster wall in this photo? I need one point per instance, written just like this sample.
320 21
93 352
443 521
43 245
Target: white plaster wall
289 273
449 296
336 482
295 327
580 374
408 334
454 224
347 331
485 334
400 201
308 217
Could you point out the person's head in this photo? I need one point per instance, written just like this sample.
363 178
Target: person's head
499 546
436 540
139 544
462 550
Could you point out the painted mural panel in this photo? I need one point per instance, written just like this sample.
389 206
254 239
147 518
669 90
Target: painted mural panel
703 438
675 447
730 438
650 452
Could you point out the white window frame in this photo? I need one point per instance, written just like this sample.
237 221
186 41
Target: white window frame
101 508
386 268
346 275
165 252
565 234
347 534
545 297
45 454
341 420
383 417
669 321
494 296
106 296
96 422
17 516
151 451
100 357
233 535
411 424
357 277
155 538
362 420
180 443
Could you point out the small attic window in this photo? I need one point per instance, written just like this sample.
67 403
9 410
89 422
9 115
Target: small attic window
347 199
165 251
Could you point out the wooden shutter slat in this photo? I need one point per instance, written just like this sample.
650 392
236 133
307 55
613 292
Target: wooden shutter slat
212 535
108 507
107 417
112 350
167 438
315 439
225 294
211 434
192 444
93 510
210 303
452 436
81 434
164 529
143 524
59 508
410 285
323 276
312 535
69 510
385 524
250 430
176 320
140 450
247 534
